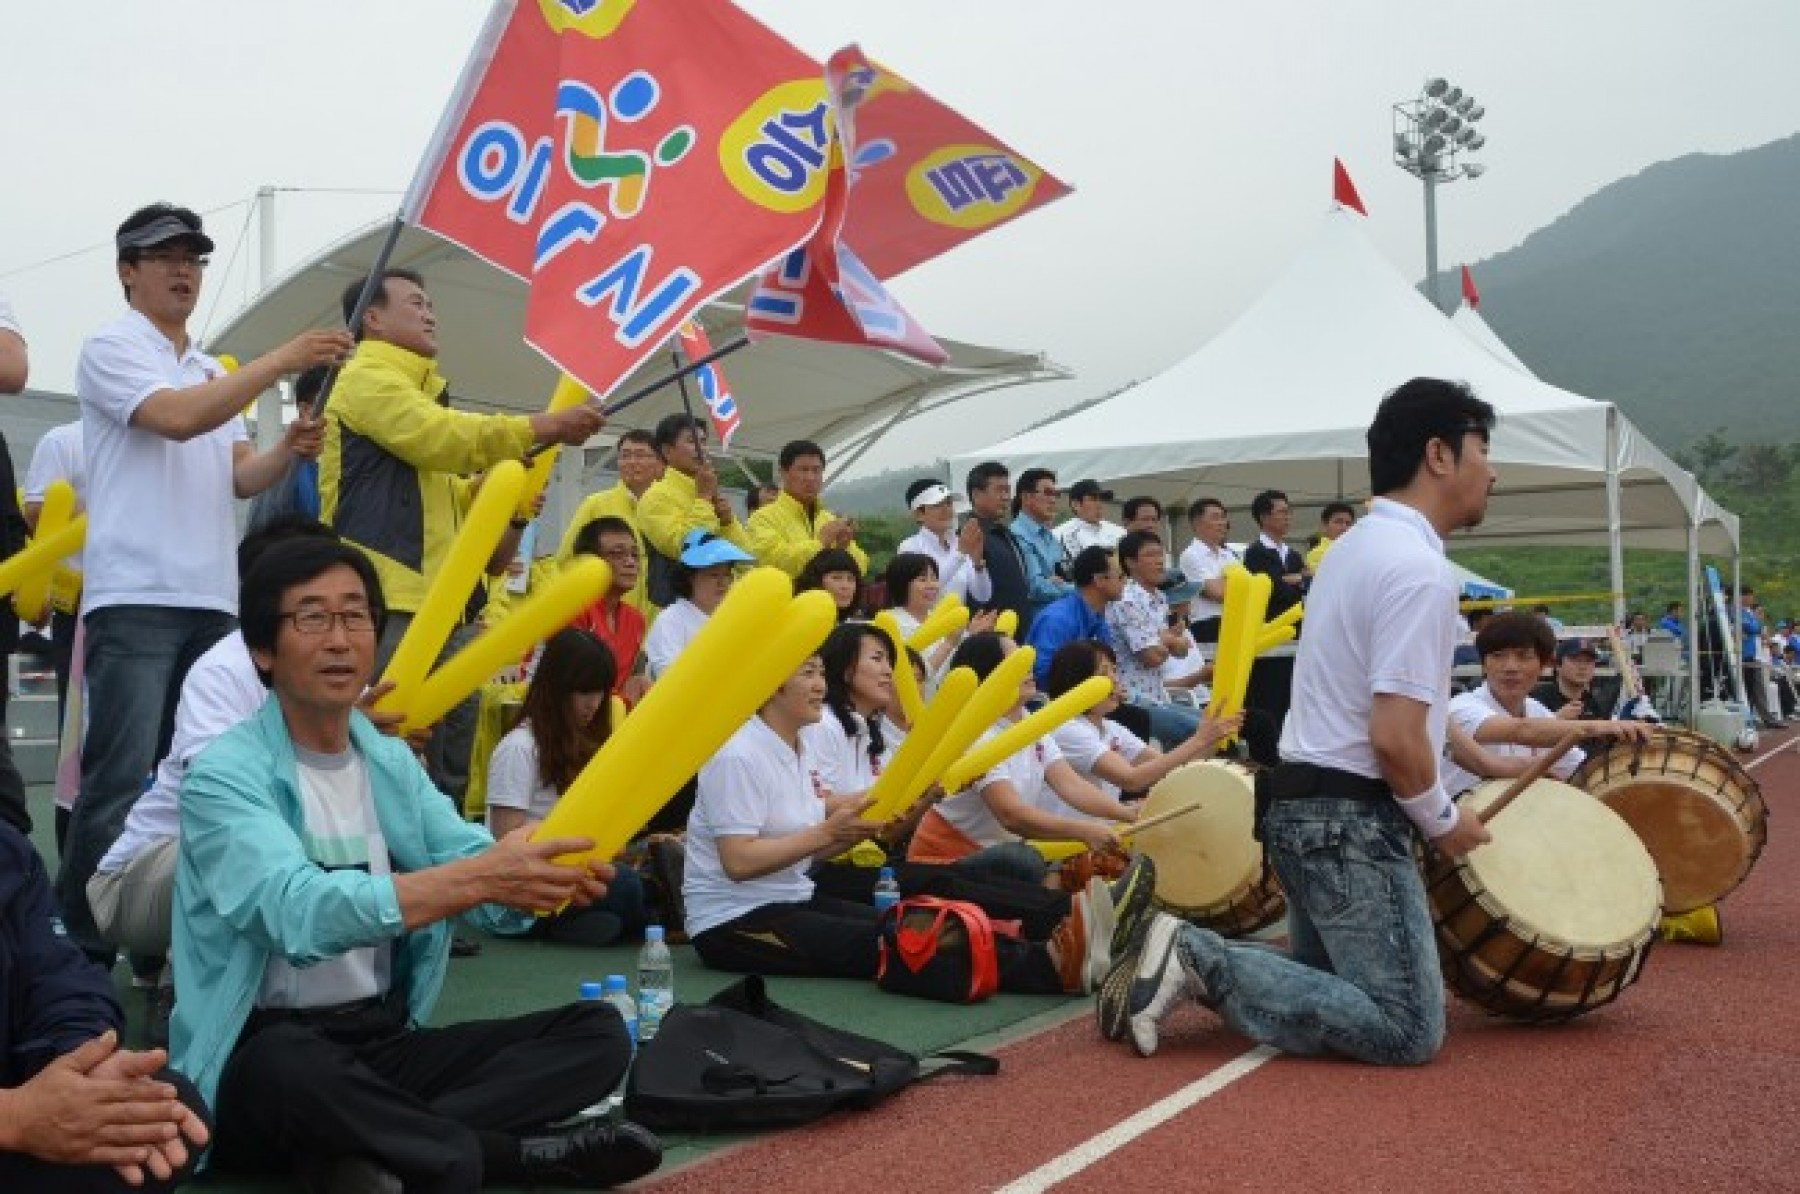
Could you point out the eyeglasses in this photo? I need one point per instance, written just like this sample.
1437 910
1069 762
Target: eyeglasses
320 621
621 554
170 259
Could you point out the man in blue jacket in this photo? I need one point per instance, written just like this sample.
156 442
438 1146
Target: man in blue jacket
77 1113
1081 614
319 872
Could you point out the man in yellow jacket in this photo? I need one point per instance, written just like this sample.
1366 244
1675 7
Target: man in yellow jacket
397 474
686 498
640 466
795 527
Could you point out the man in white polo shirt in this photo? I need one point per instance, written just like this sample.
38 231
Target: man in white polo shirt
1359 778
166 453
1203 562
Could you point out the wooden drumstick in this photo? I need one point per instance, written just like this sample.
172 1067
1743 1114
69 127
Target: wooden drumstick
1539 768
1058 851
1152 822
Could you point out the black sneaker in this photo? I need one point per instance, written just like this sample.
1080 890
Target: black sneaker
159 1005
1132 896
598 1153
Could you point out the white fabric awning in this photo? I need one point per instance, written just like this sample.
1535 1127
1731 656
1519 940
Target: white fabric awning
836 395
1282 398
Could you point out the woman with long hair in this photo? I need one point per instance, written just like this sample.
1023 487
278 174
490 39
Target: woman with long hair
760 826
1105 753
567 716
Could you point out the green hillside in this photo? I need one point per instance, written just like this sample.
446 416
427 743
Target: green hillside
1671 293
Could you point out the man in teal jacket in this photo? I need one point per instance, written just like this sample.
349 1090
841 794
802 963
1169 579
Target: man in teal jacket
318 874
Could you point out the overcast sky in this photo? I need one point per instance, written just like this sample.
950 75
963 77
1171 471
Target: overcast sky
1198 136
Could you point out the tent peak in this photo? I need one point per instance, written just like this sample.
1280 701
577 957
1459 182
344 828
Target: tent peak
1471 296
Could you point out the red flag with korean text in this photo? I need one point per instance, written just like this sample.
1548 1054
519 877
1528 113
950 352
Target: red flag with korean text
925 178
824 290
630 159
720 403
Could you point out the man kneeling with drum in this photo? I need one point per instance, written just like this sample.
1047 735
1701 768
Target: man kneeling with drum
1496 730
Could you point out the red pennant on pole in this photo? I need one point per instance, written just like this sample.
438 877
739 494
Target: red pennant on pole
1471 296
1343 190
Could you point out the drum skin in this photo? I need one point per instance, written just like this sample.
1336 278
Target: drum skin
1209 865
1699 813
1552 918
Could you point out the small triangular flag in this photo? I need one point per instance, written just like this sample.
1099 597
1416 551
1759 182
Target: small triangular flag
1471 296
1343 190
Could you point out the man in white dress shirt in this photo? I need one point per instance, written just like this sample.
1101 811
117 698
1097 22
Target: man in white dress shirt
1203 563
1087 528
1359 779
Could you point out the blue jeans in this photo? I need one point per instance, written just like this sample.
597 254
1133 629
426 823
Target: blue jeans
1171 724
1361 978
1009 860
137 657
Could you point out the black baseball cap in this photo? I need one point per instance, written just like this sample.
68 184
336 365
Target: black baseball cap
1576 646
1082 490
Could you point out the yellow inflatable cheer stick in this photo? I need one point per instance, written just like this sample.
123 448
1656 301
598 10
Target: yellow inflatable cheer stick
990 702
906 685
57 509
944 621
1225 661
456 578
1026 730
577 586
568 392
688 715
950 599
1245 646
1288 616
65 590
42 555
1271 638
1007 623
893 792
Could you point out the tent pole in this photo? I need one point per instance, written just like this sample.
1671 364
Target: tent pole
1691 624
1614 532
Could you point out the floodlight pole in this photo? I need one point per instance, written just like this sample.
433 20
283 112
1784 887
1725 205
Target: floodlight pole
1431 256
1433 134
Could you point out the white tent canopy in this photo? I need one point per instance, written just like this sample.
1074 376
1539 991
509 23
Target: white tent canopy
1282 398
1469 322
841 397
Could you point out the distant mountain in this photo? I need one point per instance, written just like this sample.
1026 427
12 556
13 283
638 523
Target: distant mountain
1674 293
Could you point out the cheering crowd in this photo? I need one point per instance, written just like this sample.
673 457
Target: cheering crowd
283 870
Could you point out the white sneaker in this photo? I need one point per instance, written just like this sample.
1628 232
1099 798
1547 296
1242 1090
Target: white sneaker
1161 979
1102 918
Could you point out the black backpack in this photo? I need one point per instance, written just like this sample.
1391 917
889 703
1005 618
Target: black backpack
743 1061
659 583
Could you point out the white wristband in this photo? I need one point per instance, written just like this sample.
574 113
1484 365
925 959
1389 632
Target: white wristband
1431 811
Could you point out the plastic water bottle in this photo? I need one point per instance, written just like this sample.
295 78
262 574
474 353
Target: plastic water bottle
618 993
887 891
656 983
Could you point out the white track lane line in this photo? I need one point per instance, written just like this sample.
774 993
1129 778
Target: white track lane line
1091 1152
1759 760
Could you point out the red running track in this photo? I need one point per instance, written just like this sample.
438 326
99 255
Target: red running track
1690 1082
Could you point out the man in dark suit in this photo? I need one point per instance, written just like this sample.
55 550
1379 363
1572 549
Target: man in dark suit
1272 679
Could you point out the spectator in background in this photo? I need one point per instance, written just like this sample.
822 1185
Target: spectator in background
1334 520
1272 676
1570 692
701 580
1034 508
836 571
611 619
912 587
639 467
167 452
1543 611
1756 658
1203 562
759 496
990 489
1086 527
1080 614
58 457
1672 621
13 808
1143 514
15 360
960 555
796 526
684 499
1141 635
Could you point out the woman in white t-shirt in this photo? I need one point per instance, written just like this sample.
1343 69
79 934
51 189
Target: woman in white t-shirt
567 715
1498 729
757 829
984 829
913 591
1105 753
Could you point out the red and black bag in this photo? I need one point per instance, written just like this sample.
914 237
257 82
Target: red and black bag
938 949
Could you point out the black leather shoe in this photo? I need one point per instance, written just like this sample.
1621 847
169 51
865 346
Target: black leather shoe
598 1153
